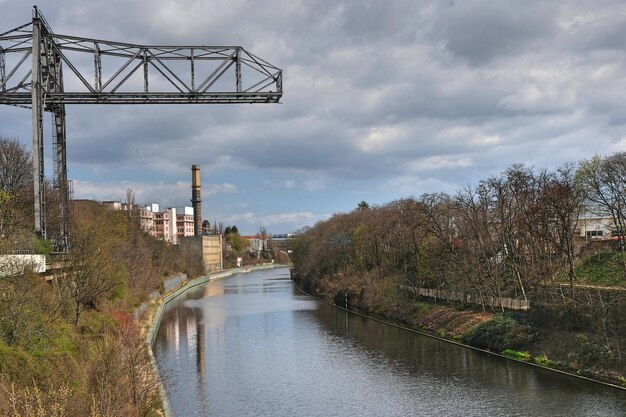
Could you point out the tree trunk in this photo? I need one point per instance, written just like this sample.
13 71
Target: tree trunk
77 310
570 272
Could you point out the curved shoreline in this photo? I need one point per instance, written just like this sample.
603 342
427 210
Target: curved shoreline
153 319
443 339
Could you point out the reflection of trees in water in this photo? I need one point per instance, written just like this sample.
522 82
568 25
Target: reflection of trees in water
409 352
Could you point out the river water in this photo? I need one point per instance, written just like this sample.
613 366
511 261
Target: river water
252 345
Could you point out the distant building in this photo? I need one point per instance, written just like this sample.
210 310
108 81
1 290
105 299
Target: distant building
184 221
146 220
170 225
257 243
596 227
173 235
113 205
281 242
161 229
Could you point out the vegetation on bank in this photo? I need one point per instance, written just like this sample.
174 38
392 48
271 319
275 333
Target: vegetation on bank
70 347
237 247
513 235
600 267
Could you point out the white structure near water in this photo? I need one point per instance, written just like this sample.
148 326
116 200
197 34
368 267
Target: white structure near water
16 264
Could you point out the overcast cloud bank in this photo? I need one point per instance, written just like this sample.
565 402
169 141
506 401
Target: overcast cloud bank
382 100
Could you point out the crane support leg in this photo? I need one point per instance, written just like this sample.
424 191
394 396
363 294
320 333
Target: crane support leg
37 112
60 174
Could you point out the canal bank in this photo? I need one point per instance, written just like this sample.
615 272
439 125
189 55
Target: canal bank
252 345
454 337
153 313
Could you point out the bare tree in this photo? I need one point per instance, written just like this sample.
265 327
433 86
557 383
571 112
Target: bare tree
561 204
32 401
481 250
604 311
91 273
15 188
439 214
16 167
122 380
27 307
135 359
603 184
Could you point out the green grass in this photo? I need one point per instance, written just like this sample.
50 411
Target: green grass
16 363
503 332
602 268
522 356
544 361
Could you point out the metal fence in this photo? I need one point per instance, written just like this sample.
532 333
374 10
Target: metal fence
494 302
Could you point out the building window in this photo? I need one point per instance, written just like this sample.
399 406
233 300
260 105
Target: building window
594 233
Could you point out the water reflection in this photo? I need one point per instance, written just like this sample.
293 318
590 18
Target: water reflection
252 345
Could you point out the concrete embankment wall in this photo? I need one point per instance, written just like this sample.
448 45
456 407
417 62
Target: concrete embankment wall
183 287
15 264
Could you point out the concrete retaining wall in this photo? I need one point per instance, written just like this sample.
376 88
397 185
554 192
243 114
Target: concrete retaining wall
15 264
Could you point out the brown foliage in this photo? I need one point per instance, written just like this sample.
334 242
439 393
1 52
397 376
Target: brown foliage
121 378
501 238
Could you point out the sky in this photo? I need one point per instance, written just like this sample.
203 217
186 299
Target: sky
382 100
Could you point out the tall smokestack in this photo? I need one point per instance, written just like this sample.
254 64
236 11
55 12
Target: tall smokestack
196 200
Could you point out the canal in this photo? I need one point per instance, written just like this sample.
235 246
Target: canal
252 345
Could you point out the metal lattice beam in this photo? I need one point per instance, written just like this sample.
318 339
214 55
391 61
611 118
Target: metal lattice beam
107 72
233 76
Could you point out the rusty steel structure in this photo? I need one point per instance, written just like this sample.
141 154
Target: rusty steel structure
46 71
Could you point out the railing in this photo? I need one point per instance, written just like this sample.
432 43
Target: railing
481 300
17 252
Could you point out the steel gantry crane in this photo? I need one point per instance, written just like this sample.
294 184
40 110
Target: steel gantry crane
32 63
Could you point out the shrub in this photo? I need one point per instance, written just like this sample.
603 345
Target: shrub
590 352
523 356
500 333
544 361
341 298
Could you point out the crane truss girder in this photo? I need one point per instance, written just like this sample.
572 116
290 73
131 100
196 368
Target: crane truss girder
194 74
51 99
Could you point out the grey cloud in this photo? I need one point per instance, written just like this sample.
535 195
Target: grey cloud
479 31
587 29
412 93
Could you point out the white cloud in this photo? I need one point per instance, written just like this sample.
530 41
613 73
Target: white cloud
434 163
287 184
413 185
165 194
213 189
248 222
537 98
380 138
470 134
314 185
292 218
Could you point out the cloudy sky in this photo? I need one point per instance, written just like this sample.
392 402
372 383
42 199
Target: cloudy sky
382 100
